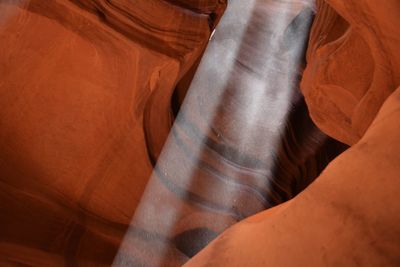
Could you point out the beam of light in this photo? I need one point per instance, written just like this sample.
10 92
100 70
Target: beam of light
215 165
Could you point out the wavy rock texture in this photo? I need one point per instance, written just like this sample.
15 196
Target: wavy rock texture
349 216
229 154
83 86
85 108
89 90
353 65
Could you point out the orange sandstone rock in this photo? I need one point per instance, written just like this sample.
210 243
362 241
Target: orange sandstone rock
353 64
83 84
348 217
85 108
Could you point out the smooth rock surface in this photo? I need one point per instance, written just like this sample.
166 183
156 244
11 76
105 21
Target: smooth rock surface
83 84
348 217
353 64
242 141
89 90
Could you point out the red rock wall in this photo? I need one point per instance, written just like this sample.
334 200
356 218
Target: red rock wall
241 143
353 65
83 85
85 109
349 216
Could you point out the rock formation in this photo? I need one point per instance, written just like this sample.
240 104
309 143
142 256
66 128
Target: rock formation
83 86
229 154
89 92
353 65
349 215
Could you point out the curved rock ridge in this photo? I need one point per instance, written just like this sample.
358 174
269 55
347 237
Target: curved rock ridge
348 217
80 87
85 109
89 91
242 141
212 8
353 64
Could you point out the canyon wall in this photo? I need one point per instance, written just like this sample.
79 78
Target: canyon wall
349 215
83 84
90 90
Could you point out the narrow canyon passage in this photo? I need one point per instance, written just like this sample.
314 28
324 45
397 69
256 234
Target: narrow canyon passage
242 141
199 132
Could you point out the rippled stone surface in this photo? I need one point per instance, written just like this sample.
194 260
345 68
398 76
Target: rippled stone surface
349 216
353 65
89 91
83 85
242 141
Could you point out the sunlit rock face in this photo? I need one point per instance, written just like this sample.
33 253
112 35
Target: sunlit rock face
349 216
90 89
242 141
